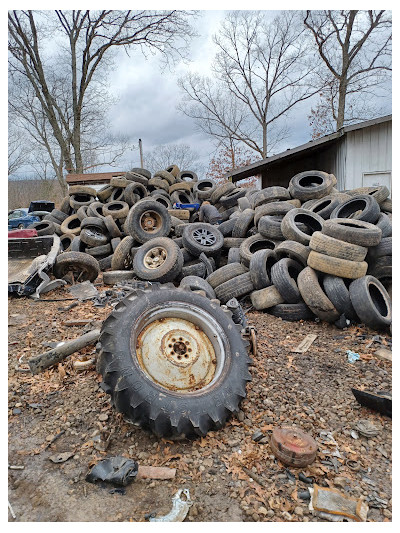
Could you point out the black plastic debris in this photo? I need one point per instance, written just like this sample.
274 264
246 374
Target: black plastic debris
119 490
380 401
118 470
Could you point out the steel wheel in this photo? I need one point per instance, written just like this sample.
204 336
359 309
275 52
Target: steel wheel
179 349
150 221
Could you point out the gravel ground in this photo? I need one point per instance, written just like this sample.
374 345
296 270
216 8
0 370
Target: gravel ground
311 390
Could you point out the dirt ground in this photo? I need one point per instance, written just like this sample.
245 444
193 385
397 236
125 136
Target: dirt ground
311 390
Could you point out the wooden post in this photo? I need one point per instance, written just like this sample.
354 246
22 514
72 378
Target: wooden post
38 363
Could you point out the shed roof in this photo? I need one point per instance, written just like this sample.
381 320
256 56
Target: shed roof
317 144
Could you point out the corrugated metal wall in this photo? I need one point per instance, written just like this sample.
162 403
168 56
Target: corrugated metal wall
367 150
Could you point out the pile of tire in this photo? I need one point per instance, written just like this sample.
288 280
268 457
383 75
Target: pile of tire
298 253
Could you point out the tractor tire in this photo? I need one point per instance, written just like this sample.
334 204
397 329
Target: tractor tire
153 378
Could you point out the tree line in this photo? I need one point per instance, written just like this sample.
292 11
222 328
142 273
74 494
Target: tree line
265 67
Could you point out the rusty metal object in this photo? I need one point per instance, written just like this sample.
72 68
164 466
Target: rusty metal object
292 446
182 352
150 221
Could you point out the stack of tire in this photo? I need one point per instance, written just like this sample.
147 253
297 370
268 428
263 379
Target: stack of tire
294 251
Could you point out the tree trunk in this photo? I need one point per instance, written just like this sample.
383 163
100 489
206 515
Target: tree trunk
341 104
264 150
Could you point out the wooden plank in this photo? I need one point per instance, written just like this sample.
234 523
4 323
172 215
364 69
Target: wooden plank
384 354
305 343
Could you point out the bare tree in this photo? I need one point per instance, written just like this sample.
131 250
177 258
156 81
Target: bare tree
69 84
260 74
18 149
355 47
165 155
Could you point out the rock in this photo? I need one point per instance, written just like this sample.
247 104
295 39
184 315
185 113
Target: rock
387 513
298 510
233 442
240 416
103 417
208 462
16 411
286 516
262 510
257 435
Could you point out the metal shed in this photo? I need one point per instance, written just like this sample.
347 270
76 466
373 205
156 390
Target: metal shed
359 155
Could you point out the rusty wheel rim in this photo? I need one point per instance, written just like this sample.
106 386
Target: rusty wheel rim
179 349
155 257
150 221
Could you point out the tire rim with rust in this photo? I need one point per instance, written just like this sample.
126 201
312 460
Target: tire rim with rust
178 348
150 221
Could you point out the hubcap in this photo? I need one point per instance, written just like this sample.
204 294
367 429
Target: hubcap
155 257
150 221
204 237
182 353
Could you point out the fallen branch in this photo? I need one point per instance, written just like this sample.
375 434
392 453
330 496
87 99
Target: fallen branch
258 479
40 362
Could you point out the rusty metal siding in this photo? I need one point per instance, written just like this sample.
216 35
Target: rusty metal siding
367 150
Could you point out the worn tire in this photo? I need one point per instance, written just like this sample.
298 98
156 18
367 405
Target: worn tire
353 231
77 245
233 255
111 227
284 274
104 193
251 245
195 283
291 312
94 222
220 191
141 172
336 266
72 224
324 206
270 226
194 268
324 244
270 194
266 298
293 249
77 262
292 232
59 215
272 208
202 237
115 276
78 200
226 227
225 273
380 193
117 209
234 288
338 293
231 198
242 223
100 251
171 413
385 224
362 207
44 227
371 302
121 258
148 219
93 237
314 296
261 263
148 257
66 241
82 189
203 189
311 184
188 175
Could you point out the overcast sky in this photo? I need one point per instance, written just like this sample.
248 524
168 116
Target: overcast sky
148 98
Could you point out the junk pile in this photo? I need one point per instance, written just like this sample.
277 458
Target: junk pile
300 252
